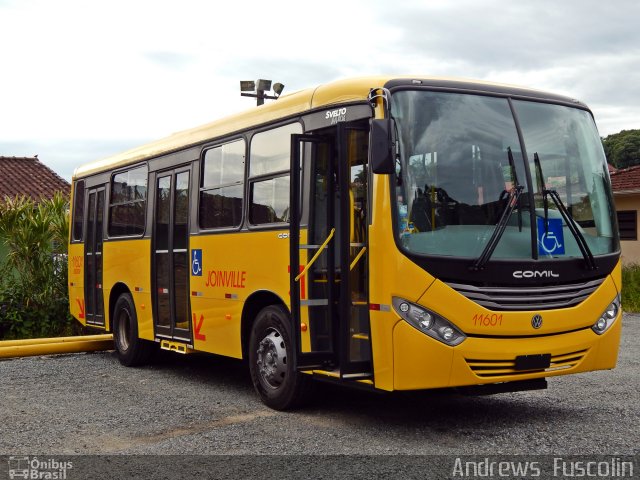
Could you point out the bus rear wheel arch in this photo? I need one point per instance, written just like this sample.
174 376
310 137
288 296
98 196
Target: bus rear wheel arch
271 361
132 350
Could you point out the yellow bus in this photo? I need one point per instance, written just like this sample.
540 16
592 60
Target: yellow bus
389 233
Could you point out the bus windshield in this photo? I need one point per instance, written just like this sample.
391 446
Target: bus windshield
461 157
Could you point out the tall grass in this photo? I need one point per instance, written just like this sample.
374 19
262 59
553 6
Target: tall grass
631 288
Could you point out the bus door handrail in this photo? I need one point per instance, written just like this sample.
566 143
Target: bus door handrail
315 257
358 257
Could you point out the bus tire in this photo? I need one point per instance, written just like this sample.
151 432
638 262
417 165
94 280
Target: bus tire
132 350
271 361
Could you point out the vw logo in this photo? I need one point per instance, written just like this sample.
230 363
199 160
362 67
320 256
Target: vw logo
536 321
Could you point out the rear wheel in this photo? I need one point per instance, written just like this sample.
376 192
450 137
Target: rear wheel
271 361
132 350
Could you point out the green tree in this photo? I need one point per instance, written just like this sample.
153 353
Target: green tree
623 148
33 275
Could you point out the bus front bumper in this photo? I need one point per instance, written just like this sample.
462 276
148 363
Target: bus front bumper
421 362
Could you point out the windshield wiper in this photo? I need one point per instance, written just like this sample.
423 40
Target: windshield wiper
512 164
512 202
571 223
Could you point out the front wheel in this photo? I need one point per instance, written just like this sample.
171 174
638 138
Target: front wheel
271 361
132 350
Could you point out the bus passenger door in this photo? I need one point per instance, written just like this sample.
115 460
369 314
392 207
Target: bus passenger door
170 262
94 301
353 263
329 264
312 276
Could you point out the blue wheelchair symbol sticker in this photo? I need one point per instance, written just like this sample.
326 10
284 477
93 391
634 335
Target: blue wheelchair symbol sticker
196 262
551 239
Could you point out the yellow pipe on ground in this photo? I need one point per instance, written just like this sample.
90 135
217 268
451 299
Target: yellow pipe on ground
51 346
38 341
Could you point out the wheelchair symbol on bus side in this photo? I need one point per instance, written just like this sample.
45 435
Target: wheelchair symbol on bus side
196 262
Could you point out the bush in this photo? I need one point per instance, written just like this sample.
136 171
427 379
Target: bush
631 288
34 299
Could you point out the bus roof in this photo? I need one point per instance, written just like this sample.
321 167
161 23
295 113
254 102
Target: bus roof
338 92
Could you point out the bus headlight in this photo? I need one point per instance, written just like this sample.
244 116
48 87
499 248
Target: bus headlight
608 317
428 322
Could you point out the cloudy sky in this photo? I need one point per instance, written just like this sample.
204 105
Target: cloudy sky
81 79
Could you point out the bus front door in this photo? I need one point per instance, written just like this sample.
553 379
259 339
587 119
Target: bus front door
170 265
328 242
94 301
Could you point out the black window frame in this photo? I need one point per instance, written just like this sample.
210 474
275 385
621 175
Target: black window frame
628 233
144 201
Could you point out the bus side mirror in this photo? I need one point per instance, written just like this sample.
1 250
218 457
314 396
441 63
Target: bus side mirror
382 156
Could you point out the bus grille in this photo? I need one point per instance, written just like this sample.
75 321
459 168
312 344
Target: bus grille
528 298
499 368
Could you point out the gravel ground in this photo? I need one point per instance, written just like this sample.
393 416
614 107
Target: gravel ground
89 404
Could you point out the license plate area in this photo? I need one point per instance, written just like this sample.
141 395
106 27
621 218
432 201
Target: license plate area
533 362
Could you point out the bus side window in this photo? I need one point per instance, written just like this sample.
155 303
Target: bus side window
269 165
78 211
128 202
222 186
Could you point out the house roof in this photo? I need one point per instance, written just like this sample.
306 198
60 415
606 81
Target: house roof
30 177
626 180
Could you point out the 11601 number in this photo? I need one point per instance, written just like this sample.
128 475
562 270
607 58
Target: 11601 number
487 320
